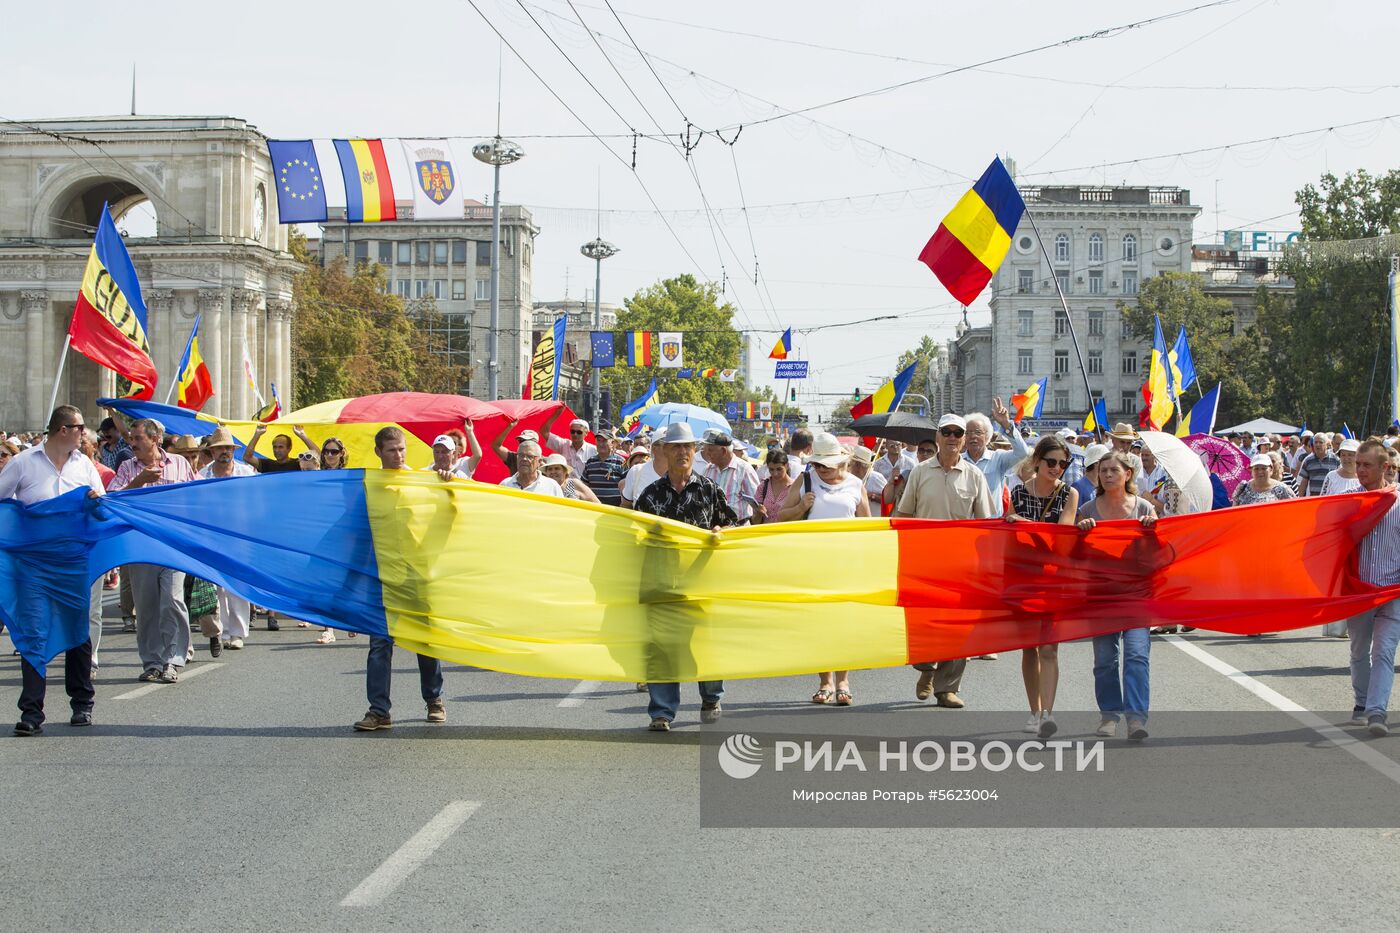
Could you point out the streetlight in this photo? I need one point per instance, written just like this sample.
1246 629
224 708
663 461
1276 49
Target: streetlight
496 152
597 250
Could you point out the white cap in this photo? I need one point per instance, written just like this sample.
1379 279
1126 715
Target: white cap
554 460
528 435
1351 444
1093 454
1263 460
957 421
578 423
446 440
1066 433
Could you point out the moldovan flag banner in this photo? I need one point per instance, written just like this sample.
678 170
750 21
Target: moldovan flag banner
1394 290
109 320
973 239
193 387
639 348
436 193
671 350
369 195
443 570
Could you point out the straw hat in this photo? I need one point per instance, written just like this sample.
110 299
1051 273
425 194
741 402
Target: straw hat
827 451
1123 431
220 437
184 444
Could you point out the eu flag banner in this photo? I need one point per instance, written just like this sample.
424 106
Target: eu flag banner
603 352
301 194
109 319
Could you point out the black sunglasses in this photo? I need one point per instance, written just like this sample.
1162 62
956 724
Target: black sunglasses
331 450
78 426
1055 463
951 432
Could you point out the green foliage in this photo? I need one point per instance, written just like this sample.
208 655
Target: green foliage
1327 338
350 337
1237 362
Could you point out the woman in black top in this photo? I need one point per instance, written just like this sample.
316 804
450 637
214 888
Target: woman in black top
1045 497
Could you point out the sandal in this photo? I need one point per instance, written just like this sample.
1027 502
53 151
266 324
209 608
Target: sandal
327 637
303 625
822 696
843 697
352 634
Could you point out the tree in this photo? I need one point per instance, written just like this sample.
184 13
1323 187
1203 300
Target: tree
350 337
1326 342
1235 361
679 304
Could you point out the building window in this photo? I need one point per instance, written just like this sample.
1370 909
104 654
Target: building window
1128 401
401 286
420 288
1025 362
1061 401
1061 362
1025 281
483 252
1096 362
1062 247
459 251
1130 362
1129 248
1130 283
1062 277
361 252
1095 323
422 251
1025 323
1095 247
483 290
405 254
439 289
1096 281
1061 322
459 290
440 252
386 252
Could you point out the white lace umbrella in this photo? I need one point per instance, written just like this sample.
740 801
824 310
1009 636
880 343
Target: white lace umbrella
1184 467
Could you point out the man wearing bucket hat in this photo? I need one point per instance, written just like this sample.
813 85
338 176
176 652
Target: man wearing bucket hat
684 496
949 488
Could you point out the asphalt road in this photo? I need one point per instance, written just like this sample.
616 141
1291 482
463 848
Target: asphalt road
240 798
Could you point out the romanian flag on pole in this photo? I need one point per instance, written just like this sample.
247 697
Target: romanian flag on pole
1158 392
783 347
1031 402
193 387
973 239
369 195
886 398
109 320
639 348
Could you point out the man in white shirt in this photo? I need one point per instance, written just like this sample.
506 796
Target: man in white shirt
735 478
896 460
576 450
46 471
994 464
221 447
527 476
643 475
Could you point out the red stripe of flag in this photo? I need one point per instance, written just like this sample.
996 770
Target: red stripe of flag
381 172
961 272
99 340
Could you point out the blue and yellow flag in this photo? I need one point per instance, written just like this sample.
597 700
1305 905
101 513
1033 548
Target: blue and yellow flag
109 320
301 191
1158 392
1183 367
1097 418
1201 419
631 413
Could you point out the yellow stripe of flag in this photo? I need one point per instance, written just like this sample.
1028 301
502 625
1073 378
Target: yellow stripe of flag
976 227
364 162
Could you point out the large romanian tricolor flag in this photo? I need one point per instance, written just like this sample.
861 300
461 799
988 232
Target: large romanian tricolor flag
443 569
109 321
369 195
973 239
193 387
1158 392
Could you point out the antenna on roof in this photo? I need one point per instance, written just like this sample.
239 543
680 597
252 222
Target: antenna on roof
133 89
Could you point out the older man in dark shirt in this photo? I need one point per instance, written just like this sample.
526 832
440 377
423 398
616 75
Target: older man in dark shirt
686 497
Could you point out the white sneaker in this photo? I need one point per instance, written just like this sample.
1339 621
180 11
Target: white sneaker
1377 727
1108 728
234 644
1032 725
1047 725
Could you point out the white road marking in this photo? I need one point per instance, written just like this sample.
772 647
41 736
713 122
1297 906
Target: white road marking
395 869
580 693
152 688
1347 743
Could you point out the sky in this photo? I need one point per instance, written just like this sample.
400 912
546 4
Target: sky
831 205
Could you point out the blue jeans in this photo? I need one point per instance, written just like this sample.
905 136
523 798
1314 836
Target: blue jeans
666 698
1130 692
380 669
1374 634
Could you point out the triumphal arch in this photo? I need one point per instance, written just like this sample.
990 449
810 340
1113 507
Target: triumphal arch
216 252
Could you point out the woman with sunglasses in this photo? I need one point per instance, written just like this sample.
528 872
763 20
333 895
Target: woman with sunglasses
1044 497
8 450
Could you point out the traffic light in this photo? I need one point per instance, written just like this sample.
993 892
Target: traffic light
793 396
855 394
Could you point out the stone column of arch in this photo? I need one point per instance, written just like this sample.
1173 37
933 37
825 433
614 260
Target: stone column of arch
279 315
167 348
209 302
37 350
244 303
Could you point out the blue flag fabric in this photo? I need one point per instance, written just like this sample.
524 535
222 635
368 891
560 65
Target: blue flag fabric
559 326
1182 366
301 192
1201 420
1346 431
604 353
685 374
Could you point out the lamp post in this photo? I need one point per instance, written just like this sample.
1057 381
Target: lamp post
597 250
496 152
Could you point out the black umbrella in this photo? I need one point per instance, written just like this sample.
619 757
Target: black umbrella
897 426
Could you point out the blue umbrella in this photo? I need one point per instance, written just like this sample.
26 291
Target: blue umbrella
699 419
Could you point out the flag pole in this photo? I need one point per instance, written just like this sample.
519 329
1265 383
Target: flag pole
1069 319
58 377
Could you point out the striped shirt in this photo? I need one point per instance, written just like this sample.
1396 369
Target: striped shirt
1380 550
1312 471
738 482
172 470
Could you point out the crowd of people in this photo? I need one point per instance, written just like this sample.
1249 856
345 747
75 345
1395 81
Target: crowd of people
963 469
